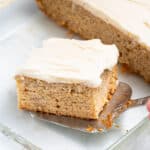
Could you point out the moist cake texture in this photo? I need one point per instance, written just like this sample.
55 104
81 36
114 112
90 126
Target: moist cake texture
125 23
68 77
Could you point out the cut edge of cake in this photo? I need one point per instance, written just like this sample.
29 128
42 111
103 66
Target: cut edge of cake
74 100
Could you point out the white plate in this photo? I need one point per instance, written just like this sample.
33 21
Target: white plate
22 27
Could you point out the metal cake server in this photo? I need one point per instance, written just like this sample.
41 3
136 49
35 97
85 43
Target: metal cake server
119 103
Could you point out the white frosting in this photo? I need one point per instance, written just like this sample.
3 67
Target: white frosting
131 16
70 61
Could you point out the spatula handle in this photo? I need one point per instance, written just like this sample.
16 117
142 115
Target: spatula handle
138 102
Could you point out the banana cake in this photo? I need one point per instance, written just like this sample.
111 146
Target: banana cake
68 77
125 23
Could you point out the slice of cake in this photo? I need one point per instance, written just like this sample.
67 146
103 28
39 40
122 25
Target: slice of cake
125 23
68 77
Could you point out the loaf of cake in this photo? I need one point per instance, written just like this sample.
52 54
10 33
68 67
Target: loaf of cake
68 77
125 23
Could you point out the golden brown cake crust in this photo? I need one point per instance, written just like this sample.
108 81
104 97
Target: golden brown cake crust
74 100
88 26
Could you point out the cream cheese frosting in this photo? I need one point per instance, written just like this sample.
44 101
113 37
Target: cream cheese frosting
70 61
130 16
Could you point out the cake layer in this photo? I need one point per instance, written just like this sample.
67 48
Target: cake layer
75 100
125 23
70 61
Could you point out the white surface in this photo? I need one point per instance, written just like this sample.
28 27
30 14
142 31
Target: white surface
25 29
4 3
118 13
70 61
6 144
137 140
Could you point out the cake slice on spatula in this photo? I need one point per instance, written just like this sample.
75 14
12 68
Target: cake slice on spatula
120 102
69 78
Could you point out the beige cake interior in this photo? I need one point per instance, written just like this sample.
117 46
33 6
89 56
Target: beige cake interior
79 20
74 100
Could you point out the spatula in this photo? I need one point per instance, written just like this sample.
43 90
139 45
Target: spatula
119 103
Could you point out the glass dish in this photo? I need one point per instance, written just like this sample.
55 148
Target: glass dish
23 27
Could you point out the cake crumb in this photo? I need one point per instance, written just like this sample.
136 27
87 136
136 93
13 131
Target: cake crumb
100 130
90 128
70 34
109 97
129 103
147 24
124 68
22 78
108 122
116 125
